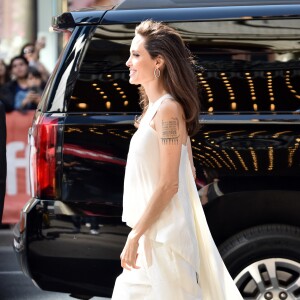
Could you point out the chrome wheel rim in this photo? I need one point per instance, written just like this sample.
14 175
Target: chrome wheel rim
270 279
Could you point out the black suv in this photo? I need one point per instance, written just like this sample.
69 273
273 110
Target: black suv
247 152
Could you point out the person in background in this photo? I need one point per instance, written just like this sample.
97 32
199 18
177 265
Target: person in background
4 73
31 52
35 89
14 91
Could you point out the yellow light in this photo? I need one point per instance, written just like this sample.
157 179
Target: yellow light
115 84
118 88
124 96
255 106
253 98
108 75
108 104
211 109
101 93
98 89
272 107
82 105
210 99
233 106
126 103
94 84
104 97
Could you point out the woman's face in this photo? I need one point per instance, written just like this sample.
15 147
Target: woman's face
33 81
19 68
140 63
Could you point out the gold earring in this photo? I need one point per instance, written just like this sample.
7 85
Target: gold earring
156 73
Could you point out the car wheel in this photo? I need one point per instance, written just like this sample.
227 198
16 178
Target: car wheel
264 262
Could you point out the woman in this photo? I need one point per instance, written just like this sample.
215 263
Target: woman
32 52
162 255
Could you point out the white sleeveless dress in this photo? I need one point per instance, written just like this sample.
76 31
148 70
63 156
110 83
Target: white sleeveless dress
182 226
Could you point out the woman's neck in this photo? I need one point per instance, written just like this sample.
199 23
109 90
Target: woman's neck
22 82
154 91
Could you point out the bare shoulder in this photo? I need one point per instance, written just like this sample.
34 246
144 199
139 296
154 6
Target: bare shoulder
170 108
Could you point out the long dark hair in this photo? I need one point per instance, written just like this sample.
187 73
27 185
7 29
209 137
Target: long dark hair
178 75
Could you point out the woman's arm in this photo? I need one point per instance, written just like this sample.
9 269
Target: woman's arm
171 130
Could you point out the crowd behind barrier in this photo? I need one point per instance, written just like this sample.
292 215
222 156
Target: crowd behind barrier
23 80
21 86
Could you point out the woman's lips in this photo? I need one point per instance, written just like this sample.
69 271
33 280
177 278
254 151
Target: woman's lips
132 72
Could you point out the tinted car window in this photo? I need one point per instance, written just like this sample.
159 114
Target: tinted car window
246 66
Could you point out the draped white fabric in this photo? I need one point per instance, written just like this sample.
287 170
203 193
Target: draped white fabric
214 278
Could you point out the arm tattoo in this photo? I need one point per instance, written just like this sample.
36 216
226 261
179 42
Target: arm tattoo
170 131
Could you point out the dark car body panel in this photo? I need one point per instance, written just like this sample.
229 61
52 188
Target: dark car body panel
202 13
59 238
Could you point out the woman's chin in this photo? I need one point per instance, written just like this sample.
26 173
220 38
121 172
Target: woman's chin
132 81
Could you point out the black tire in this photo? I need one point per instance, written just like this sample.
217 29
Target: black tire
252 255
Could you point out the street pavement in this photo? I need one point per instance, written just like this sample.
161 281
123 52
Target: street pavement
14 285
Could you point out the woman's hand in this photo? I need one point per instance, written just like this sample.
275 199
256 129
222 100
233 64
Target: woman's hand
129 254
31 97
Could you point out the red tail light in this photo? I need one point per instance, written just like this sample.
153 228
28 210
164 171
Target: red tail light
43 157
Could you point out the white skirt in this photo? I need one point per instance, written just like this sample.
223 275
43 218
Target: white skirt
163 275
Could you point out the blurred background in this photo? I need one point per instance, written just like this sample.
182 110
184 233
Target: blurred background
29 49
28 21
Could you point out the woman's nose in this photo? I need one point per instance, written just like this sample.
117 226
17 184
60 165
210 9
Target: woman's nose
128 62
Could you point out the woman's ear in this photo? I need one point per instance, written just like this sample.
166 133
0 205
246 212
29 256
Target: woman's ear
160 62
